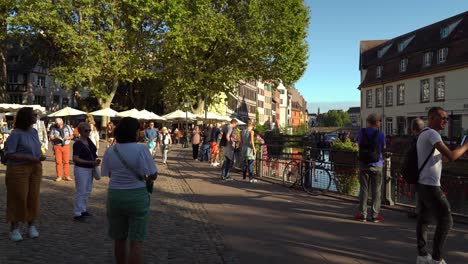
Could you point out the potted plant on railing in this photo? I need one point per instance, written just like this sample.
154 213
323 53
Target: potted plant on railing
344 155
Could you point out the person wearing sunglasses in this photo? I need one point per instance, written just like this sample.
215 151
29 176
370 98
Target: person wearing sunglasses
85 159
431 199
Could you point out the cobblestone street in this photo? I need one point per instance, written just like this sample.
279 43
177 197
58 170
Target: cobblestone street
178 229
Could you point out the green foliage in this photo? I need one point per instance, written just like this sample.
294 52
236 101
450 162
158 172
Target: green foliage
335 118
301 130
194 49
346 145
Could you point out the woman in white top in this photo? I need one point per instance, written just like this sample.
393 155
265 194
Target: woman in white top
94 136
164 142
129 165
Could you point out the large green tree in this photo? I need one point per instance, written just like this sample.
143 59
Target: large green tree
192 49
217 43
335 118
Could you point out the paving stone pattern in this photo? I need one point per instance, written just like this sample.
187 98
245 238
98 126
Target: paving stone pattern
178 232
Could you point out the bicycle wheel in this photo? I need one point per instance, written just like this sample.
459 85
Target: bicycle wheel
291 173
316 181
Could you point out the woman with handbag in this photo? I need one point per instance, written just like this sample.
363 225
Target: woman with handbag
23 174
164 142
85 159
132 170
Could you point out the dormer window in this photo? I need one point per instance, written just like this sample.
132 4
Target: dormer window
402 45
427 61
403 64
442 55
383 50
379 70
445 31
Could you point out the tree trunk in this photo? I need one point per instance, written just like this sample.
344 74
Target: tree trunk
3 74
106 102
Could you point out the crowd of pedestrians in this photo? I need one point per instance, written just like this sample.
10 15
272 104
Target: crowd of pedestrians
129 162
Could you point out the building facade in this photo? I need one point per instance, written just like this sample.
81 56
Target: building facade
403 77
355 116
28 81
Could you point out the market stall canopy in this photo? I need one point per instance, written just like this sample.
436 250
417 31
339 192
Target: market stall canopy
178 114
151 116
240 122
105 112
15 107
135 113
213 116
67 111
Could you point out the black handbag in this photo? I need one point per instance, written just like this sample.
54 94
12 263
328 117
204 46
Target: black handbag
149 183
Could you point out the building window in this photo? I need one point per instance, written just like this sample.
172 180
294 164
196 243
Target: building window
388 126
425 91
427 61
400 94
12 78
402 45
439 87
369 98
378 97
383 50
16 99
57 99
41 81
65 102
40 100
379 70
403 64
389 96
442 55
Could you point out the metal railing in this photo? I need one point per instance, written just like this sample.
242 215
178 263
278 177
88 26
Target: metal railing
344 168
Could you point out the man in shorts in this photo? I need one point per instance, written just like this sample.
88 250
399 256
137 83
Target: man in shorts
214 145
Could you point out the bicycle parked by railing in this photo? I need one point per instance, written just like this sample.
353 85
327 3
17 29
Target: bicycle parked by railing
312 174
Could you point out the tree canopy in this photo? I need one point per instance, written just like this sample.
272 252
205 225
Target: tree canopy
335 118
194 49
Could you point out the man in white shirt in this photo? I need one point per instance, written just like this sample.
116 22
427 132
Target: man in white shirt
432 200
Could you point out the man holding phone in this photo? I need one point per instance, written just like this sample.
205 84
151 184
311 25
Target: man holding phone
432 200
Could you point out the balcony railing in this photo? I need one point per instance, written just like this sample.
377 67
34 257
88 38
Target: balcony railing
16 87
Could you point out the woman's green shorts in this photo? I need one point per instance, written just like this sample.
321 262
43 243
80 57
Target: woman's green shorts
128 213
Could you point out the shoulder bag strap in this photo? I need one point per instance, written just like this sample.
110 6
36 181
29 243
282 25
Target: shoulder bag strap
128 167
430 154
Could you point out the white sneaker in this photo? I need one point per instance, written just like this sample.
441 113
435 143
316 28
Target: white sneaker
424 259
216 164
32 232
15 235
253 180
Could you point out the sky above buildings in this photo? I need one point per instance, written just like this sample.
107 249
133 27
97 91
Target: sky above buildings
335 30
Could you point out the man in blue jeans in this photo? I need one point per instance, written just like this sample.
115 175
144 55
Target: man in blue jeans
228 150
432 200
371 144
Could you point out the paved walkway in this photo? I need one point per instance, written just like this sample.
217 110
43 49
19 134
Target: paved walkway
197 218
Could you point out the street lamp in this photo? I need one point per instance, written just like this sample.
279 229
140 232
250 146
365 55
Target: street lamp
186 104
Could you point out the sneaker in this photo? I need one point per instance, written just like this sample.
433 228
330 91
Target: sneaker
227 179
15 235
360 217
68 179
79 218
32 232
253 180
377 219
424 259
437 261
216 164
58 179
86 214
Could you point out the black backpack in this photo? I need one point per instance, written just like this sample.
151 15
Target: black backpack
223 141
410 169
369 151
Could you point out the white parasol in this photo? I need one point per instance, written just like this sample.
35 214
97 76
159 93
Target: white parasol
105 112
67 111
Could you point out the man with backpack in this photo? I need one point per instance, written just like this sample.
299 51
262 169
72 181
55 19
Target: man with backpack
431 198
371 144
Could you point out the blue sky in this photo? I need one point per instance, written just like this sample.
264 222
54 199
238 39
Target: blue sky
335 30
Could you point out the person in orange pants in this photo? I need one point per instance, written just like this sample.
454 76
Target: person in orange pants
61 136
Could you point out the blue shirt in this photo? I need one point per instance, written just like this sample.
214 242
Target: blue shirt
380 139
56 132
151 134
23 142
